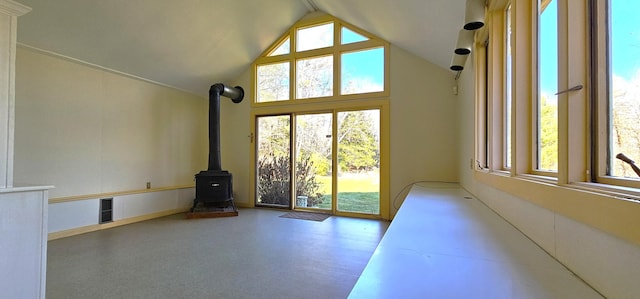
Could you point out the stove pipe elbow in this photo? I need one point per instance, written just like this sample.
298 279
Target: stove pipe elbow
236 94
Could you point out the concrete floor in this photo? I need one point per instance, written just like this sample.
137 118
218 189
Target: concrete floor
255 255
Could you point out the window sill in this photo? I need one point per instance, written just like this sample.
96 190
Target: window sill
539 178
620 192
493 172
530 177
611 209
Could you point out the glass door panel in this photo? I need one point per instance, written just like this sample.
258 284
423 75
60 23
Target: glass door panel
358 149
273 182
313 161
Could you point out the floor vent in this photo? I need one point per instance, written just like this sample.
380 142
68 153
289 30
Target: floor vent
106 210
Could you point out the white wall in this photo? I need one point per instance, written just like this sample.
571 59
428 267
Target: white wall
424 124
424 128
89 131
607 263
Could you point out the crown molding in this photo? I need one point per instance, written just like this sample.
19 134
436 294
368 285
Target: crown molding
12 8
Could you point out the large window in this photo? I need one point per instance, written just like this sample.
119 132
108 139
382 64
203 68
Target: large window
494 68
523 79
555 109
362 71
273 82
508 59
329 59
572 71
546 158
619 92
321 95
314 77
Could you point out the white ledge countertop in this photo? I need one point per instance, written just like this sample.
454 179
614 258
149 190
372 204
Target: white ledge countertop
25 189
443 243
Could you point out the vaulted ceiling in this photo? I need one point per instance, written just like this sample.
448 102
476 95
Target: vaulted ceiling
191 44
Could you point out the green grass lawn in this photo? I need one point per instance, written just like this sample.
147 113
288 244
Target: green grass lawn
356 193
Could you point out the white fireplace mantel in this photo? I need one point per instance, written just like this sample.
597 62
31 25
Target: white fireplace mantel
23 210
9 13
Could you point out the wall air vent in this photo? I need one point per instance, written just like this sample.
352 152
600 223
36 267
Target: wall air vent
106 210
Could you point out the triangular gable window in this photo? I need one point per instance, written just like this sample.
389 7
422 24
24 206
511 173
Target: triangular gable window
321 58
349 36
282 49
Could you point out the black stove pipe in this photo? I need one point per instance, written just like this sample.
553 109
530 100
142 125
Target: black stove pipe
236 94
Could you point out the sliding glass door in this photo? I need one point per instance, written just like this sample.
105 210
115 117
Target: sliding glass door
359 161
314 161
273 183
328 161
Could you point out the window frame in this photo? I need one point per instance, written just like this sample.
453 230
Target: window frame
336 51
334 103
572 168
601 102
490 96
578 191
536 103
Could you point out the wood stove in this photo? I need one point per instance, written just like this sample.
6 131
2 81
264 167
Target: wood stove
214 186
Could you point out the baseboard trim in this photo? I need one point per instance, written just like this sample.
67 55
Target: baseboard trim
97 227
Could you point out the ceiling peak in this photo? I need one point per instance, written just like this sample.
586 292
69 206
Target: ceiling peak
311 5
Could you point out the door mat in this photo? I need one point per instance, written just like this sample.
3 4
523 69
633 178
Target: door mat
306 216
